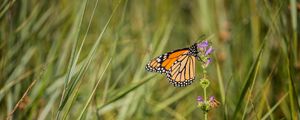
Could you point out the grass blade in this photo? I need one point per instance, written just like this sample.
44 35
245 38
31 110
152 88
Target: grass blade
274 107
73 59
93 92
294 103
249 80
169 101
125 91
220 81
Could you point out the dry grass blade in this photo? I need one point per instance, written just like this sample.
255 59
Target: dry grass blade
10 115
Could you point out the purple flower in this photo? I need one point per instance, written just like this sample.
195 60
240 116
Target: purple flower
213 102
200 99
209 50
204 48
207 62
211 98
207 105
203 44
201 102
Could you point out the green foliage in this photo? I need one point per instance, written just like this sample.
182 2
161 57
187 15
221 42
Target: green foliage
86 59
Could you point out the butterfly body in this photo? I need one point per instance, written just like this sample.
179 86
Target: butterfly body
178 65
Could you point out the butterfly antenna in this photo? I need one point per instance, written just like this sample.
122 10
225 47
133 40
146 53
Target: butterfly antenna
204 37
201 37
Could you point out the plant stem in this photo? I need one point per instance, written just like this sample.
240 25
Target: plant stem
205 112
204 93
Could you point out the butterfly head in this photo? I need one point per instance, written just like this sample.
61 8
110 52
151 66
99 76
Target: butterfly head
194 51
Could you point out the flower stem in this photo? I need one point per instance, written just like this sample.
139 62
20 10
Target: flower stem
205 112
204 92
205 83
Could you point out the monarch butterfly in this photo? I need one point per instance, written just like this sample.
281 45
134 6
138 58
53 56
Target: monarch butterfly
178 65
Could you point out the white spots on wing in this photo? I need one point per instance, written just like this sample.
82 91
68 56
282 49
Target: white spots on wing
158 59
182 83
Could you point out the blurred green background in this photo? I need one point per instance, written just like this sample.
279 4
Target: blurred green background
64 59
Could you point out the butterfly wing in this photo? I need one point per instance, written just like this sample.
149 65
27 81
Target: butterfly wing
164 62
182 72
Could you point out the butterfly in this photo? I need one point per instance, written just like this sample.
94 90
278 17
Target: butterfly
178 65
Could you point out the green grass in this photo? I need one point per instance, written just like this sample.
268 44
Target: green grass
86 59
